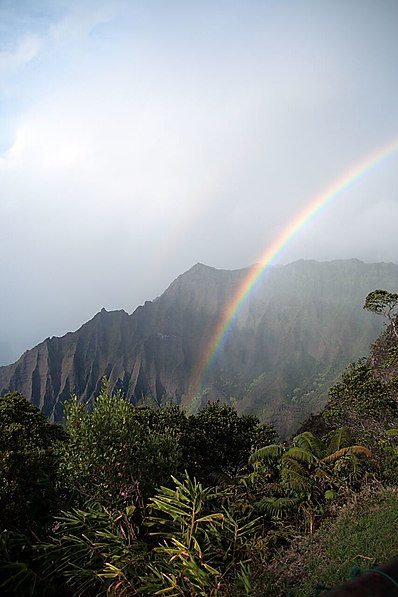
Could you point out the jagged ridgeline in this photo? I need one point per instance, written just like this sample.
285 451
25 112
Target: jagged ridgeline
294 336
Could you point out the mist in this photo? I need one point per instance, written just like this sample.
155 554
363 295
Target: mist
139 138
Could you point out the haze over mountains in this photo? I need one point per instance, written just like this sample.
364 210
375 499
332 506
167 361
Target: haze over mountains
296 333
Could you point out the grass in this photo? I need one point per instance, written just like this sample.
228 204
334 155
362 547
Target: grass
364 534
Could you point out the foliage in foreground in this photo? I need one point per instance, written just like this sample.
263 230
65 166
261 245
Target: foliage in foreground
28 464
195 543
201 541
103 471
301 479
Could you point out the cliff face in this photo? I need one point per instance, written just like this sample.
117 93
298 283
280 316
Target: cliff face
300 328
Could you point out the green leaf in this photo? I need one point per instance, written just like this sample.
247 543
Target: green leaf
340 438
309 442
267 454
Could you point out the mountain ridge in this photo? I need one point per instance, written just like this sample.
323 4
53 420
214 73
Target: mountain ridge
299 329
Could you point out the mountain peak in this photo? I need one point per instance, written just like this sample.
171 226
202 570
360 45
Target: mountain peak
201 267
297 331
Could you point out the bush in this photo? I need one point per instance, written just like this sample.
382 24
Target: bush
115 455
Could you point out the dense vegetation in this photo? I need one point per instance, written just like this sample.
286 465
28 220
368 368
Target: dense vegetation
126 500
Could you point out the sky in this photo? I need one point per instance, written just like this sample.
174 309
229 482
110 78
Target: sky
139 137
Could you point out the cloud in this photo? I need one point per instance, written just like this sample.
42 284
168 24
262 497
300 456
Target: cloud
144 137
26 49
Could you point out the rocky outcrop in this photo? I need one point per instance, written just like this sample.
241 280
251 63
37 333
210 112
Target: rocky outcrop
300 328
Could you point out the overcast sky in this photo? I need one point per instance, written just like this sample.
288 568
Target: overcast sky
138 138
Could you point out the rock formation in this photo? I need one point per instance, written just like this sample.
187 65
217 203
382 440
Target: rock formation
300 328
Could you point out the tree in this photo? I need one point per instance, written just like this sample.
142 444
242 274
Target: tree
28 464
363 403
383 303
116 453
217 442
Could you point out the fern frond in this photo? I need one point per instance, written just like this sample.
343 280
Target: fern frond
267 453
292 464
299 454
361 450
295 480
392 432
341 438
274 488
310 442
277 506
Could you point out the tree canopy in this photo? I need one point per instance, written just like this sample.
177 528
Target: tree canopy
28 464
383 303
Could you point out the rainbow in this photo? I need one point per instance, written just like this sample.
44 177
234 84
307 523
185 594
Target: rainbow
267 259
